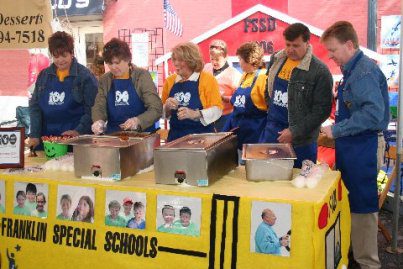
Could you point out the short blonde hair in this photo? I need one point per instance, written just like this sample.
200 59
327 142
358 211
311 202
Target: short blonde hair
252 53
218 47
189 53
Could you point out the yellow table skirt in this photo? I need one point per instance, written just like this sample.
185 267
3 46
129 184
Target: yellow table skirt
226 216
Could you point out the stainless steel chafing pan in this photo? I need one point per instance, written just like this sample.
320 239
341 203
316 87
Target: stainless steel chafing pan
268 161
196 159
112 157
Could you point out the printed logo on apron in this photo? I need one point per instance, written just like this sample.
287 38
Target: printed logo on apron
56 98
280 98
121 98
240 101
183 98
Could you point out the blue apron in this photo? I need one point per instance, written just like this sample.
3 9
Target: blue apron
60 112
356 159
123 103
246 115
187 94
277 120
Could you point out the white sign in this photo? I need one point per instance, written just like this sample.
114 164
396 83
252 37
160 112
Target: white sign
10 148
140 49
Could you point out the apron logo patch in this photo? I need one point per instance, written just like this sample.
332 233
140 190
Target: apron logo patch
239 101
280 98
121 98
56 98
183 98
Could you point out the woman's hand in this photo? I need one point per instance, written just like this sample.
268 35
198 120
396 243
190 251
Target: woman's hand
130 124
71 133
171 103
187 113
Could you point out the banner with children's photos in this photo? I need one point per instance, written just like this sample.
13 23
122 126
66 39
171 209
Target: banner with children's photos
61 223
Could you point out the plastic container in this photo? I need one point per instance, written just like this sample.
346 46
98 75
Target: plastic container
53 150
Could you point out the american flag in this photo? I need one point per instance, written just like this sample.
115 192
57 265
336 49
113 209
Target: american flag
171 20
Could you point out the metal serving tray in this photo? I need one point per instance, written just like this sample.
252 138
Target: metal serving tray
196 159
102 141
268 161
111 157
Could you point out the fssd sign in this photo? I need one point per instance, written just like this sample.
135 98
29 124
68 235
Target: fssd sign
77 7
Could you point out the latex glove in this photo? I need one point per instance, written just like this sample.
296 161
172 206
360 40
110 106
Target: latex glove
130 124
71 133
171 103
98 127
32 142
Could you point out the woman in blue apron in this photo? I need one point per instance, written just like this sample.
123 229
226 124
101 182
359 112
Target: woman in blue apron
249 113
191 96
127 97
277 115
64 94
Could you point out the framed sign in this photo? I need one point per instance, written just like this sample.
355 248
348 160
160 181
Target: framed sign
12 147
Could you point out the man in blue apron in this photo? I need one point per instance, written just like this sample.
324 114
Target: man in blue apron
299 93
362 111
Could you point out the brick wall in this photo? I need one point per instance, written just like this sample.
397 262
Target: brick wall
14 76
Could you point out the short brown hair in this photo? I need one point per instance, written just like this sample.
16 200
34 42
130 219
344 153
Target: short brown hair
189 53
60 43
343 31
116 48
218 48
252 53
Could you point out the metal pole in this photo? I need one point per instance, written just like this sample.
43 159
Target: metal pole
396 205
372 21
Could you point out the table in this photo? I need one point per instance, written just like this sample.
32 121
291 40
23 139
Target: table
225 214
